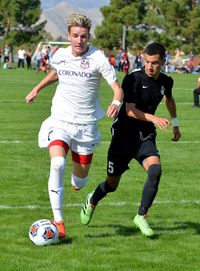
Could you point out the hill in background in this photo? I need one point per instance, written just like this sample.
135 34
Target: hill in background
56 18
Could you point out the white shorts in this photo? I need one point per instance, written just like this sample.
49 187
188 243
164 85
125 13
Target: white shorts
81 138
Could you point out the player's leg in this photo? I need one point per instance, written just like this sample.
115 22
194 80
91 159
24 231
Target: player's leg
80 169
92 199
148 156
85 139
196 94
57 150
153 168
116 165
81 165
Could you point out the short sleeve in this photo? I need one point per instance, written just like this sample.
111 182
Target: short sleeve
168 87
104 67
129 88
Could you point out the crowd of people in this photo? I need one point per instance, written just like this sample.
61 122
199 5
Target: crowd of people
122 61
24 57
126 62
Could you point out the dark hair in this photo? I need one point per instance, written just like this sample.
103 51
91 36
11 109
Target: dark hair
155 48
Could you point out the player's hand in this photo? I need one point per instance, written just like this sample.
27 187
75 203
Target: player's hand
177 134
162 123
112 111
31 97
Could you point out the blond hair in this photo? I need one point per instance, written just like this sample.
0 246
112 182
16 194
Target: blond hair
77 19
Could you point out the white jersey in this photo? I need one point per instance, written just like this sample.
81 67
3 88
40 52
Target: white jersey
76 97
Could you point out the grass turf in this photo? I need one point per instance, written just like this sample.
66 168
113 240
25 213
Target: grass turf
109 242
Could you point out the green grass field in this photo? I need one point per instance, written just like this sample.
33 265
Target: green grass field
109 242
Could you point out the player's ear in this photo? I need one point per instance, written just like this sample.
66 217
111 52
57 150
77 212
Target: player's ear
163 61
68 36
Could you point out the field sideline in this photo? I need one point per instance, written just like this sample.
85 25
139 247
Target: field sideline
109 242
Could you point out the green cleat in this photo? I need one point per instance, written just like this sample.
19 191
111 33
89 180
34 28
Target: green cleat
87 210
141 223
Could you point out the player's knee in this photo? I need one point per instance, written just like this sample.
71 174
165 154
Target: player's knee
78 183
58 163
154 173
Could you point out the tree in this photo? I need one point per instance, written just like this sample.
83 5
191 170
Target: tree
182 24
18 21
175 23
117 14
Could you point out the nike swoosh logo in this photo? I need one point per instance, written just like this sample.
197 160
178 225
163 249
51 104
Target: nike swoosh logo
144 86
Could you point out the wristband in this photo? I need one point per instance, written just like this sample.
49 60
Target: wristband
175 122
117 103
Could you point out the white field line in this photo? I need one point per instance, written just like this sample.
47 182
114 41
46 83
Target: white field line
103 142
11 142
118 204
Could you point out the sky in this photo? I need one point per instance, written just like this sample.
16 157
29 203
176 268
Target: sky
84 4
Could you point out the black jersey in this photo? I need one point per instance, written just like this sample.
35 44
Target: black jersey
146 93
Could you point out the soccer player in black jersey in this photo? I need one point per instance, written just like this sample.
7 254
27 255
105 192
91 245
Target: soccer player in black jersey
134 134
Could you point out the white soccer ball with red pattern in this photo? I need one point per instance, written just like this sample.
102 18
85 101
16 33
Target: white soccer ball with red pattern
43 233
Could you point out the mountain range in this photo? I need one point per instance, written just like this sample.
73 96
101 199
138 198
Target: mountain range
55 13
84 4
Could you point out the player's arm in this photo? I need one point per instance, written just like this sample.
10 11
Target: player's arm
171 106
198 83
113 109
133 112
50 78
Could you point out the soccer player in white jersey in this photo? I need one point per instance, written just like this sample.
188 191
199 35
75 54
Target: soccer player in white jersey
75 110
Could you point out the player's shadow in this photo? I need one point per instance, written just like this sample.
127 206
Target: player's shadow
67 241
193 225
178 227
120 230
131 231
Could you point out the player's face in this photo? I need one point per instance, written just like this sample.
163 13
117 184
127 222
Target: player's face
153 65
79 37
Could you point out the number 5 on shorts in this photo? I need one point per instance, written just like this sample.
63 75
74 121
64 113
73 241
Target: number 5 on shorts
110 167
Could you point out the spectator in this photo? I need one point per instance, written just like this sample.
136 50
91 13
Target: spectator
5 65
112 60
21 57
6 52
191 65
138 61
119 60
38 59
45 62
126 63
29 59
1 52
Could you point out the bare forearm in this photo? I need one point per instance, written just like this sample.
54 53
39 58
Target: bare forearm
135 113
171 106
49 79
118 92
113 108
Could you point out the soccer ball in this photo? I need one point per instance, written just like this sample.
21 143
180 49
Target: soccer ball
43 233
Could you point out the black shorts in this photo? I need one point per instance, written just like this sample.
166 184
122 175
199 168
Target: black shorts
125 147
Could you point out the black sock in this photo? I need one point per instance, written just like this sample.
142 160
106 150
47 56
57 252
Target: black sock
100 192
150 188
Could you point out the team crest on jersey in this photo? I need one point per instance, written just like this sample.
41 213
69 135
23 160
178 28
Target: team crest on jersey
162 90
85 64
